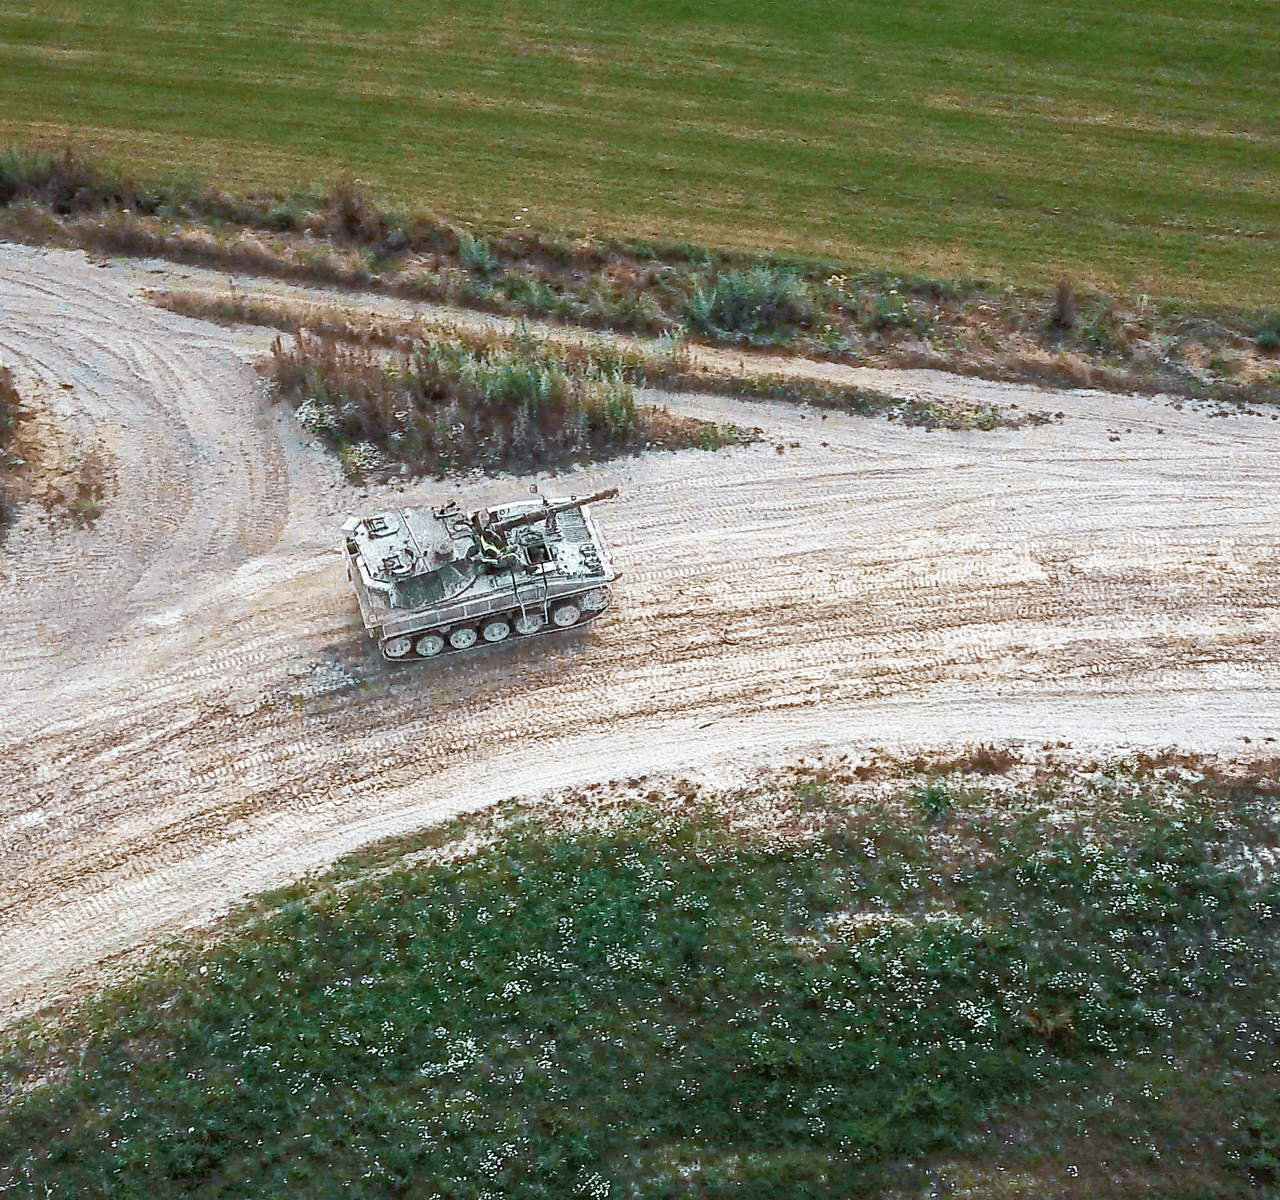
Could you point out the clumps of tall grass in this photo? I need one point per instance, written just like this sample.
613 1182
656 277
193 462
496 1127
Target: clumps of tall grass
1063 317
810 988
669 365
353 216
760 306
1267 332
479 401
69 182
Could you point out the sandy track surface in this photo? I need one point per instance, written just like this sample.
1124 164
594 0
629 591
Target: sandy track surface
190 713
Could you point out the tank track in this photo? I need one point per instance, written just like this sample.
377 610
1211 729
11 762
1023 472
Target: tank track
427 644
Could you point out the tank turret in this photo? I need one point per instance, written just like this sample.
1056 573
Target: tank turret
431 580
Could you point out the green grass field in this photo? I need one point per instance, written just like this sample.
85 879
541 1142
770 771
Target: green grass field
1133 145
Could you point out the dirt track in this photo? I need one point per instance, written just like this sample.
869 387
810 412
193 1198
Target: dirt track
189 712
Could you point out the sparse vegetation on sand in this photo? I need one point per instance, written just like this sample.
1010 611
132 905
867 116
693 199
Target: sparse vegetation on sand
10 409
666 364
844 980
43 463
476 400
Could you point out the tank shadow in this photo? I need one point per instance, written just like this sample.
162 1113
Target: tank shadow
359 658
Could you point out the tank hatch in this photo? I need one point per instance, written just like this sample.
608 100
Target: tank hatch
395 546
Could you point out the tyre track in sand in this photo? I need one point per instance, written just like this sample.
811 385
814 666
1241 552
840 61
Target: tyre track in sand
211 720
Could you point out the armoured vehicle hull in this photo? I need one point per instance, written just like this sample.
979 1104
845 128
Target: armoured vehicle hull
434 581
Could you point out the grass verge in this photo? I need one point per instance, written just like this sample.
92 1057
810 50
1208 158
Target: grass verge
476 400
668 365
813 307
840 982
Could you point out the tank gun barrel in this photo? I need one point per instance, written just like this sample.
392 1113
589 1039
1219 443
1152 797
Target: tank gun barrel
549 510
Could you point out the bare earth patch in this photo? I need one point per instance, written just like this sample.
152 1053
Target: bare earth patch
190 714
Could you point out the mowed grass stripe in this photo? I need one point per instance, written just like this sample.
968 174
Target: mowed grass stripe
1129 144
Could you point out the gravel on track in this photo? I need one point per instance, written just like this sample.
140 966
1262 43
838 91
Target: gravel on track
190 713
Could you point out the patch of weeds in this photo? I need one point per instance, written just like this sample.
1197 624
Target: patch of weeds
231 308
10 408
815 793
39 462
499 404
342 235
835 340
839 397
1102 330
352 215
713 436
477 256
892 310
760 306
68 182
672 351
1267 332
981 759
533 296
642 997
935 414
934 800
85 490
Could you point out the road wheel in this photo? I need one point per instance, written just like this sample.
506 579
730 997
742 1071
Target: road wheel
495 631
528 623
462 639
430 646
397 647
566 615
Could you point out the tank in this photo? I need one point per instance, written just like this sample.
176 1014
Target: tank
433 581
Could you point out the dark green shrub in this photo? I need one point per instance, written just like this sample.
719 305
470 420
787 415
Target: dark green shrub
893 310
760 305
934 800
477 256
1268 332
68 182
